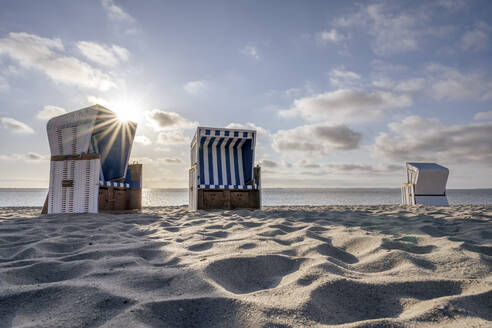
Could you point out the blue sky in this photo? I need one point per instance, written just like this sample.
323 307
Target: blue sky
341 93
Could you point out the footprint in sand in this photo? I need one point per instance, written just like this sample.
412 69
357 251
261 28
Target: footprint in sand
242 275
355 301
200 247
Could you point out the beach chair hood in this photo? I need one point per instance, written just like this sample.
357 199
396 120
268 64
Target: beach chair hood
94 130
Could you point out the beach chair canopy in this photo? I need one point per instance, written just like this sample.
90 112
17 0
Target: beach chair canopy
224 157
94 130
428 178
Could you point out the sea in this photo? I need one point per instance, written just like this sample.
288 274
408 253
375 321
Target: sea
11 197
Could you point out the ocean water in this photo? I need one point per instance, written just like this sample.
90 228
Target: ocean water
270 196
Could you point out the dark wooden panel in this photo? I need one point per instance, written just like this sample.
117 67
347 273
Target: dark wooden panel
228 199
214 199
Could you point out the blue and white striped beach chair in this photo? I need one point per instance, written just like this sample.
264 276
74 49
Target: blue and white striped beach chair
223 173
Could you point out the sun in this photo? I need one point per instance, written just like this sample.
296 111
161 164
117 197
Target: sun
127 109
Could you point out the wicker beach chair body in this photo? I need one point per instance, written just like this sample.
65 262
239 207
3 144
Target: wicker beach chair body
89 170
426 184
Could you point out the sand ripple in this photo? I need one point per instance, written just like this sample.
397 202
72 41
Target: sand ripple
350 266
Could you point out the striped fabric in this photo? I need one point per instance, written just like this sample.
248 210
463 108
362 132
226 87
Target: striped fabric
114 184
205 186
225 160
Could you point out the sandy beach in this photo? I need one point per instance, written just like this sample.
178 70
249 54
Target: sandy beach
353 266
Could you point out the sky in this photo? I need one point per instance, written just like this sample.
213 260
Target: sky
341 93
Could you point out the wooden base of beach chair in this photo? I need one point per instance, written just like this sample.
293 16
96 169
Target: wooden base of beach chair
119 199
228 199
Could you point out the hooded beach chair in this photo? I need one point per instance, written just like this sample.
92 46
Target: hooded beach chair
222 174
426 184
89 169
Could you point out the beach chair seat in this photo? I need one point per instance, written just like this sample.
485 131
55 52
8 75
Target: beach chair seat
222 166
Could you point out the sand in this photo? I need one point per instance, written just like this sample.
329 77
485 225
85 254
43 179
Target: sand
353 266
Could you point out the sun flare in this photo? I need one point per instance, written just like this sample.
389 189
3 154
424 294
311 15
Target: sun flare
127 108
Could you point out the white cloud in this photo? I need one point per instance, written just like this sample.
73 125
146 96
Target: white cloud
476 39
393 29
50 111
46 55
31 156
251 51
358 169
420 139
103 54
345 105
341 78
15 126
316 139
116 13
161 120
195 87
172 138
260 132
483 116
449 83
441 82
330 36
143 140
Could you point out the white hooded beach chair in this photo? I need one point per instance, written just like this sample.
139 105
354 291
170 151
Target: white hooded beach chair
426 184
222 173
89 170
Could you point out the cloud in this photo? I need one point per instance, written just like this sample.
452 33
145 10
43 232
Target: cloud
265 163
316 139
364 168
116 13
346 105
341 77
260 132
420 139
49 112
195 87
448 83
330 36
483 116
161 120
15 126
251 51
171 160
31 156
307 164
441 82
172 138
393 30
47 56
102 54
476 39
143 140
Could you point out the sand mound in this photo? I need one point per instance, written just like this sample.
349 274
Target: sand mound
348 266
